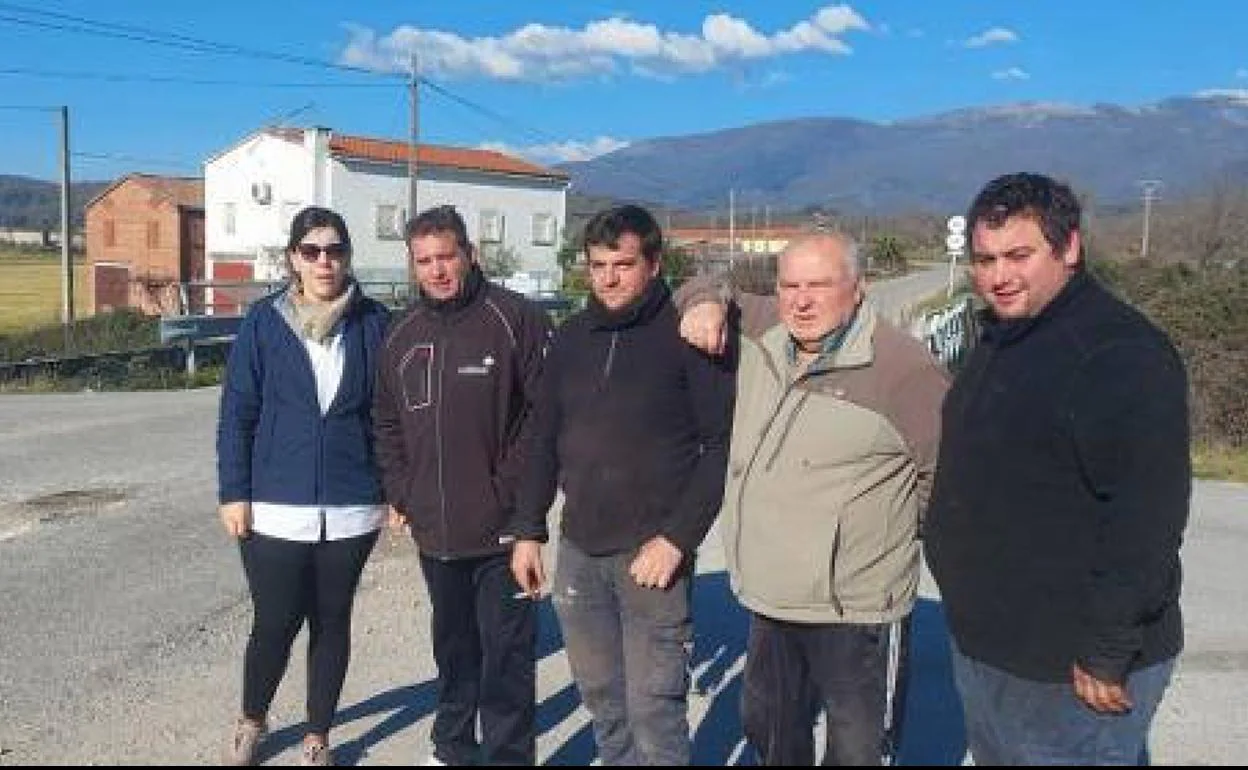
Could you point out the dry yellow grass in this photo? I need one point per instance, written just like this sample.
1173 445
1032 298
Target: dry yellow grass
30 291
1220 463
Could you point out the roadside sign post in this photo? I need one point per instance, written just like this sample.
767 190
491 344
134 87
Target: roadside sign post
955 246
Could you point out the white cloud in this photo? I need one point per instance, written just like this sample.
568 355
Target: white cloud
538 52
1241 73
559 152
1011 73
1236 95
994 36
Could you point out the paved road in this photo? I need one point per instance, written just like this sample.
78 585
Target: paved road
124 615
896 295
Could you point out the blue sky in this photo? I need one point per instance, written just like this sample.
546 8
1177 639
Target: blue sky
159 87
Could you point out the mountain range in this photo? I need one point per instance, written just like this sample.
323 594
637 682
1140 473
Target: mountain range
923 164
934 163
35 204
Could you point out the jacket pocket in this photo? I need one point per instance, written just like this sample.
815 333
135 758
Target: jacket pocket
788 564
416 376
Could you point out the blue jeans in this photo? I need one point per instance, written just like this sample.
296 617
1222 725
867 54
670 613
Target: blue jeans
1014 721
484 644
855 674
630 649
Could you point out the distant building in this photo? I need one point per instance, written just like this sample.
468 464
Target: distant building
144 239
742 240
46 238
514 210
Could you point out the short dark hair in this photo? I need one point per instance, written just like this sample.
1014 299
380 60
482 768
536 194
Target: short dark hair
606 227
439 219
313 217
1051 203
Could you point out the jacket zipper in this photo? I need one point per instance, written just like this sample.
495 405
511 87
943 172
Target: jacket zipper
836 539
437 433
749 465
320 475
606 367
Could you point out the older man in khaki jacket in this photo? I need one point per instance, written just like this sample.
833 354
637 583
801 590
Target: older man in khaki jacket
834 444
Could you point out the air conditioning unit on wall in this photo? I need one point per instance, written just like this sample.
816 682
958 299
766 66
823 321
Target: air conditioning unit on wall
262 193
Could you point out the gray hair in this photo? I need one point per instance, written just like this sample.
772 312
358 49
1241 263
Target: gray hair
852 254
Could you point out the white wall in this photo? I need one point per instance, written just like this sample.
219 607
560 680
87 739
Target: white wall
359 187
355 189
260 229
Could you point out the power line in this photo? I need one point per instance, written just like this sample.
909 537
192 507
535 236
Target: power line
533 132
70 23
108 156
130 78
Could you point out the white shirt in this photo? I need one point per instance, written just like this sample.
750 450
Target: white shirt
303 523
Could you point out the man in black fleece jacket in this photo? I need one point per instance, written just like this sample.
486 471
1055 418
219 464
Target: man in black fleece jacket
633 424
1060 498
456 379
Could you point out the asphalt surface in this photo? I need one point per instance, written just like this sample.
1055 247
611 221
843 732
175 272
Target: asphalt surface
123 615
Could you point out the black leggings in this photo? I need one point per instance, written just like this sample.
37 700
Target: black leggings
291 582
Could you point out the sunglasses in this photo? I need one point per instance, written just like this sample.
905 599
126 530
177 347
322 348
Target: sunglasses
312 252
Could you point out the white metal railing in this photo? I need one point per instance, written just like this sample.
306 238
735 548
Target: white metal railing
948 331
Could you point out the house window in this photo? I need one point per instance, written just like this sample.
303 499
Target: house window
543 229
391 220
110 232
153 235
491 226
229 215
287 212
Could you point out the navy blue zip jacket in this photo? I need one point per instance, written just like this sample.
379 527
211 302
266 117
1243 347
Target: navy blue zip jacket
273 443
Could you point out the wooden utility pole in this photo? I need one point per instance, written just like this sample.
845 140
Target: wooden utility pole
412 161
67 260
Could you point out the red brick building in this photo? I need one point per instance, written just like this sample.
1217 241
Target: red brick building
145 237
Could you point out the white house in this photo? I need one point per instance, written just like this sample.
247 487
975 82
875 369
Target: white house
253 189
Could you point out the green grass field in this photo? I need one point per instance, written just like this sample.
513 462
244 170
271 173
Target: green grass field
30 289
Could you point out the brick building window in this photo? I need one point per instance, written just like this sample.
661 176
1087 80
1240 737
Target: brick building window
153 235
110 232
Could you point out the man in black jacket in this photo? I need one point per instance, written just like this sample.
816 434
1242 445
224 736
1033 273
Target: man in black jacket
456 379
1060 499
633 425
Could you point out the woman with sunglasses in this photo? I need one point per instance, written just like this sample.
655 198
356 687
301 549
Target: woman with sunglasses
298 484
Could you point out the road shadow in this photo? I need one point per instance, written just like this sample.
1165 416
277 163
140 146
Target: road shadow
933 732
403 707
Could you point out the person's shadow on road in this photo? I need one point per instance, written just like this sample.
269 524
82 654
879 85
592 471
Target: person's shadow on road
932 734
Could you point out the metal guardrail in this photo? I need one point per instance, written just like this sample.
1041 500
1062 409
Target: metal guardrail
950 331
113 367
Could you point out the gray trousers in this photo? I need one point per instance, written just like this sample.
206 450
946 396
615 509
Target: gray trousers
629 649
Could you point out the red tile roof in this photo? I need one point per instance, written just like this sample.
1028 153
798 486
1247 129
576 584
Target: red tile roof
386 151
181 191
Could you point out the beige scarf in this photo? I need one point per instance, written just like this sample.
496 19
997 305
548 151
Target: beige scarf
313 320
